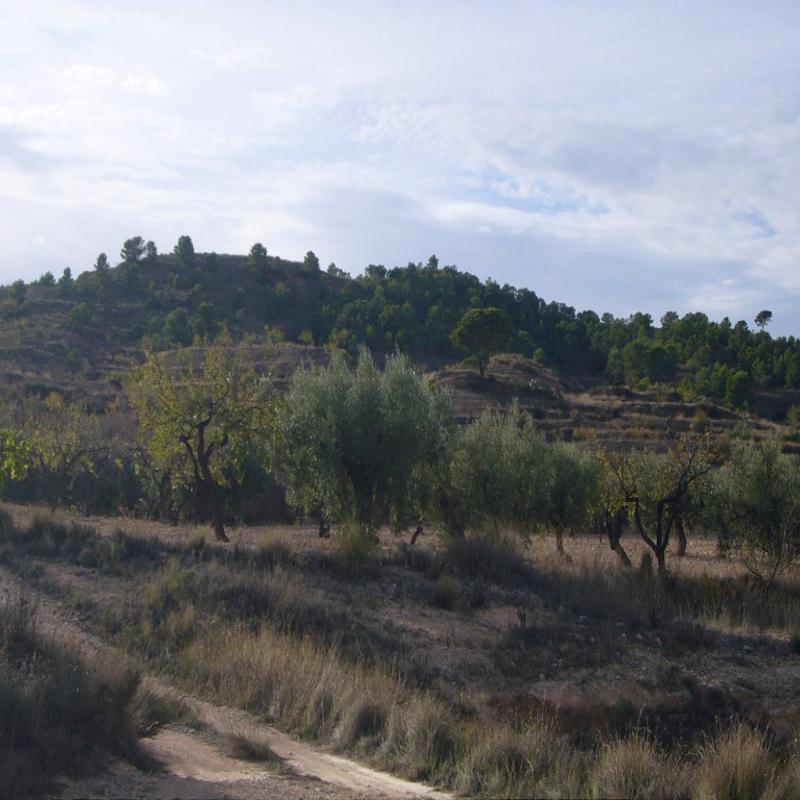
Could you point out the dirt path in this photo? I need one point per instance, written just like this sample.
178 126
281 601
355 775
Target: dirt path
191 762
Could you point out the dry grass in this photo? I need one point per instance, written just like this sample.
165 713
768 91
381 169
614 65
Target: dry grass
634 768
281 632
736 765
58 708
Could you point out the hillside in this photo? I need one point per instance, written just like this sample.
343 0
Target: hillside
79 336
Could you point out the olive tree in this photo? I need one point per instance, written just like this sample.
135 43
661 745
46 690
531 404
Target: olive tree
201 415
498 478
755 504
359 445
574 485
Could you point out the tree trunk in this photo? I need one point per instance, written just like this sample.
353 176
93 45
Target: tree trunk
324 529
214 510
560 541
417 533
661 558
219 526
682 541
613 525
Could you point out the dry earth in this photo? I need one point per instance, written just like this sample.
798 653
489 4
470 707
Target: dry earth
190 762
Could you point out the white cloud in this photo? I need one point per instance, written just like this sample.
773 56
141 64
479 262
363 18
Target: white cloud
567 134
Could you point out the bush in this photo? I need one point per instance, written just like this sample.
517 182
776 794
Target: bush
446 593
493 560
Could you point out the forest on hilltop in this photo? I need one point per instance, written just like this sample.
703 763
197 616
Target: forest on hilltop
155 301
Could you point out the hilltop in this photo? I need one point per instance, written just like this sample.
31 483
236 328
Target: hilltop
580 374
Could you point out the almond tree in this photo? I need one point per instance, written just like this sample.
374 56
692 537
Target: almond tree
655 486
200 414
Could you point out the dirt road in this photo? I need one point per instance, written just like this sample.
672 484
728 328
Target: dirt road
191 763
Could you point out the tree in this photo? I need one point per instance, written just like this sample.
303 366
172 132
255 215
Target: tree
18 292
151 252
311 264
65 282
202 421
655 486
65 441
176 327
132 250
573 489
257 259
763 318
755 504
184 250
611 510
360 445
80 315
101 265
14 457
482 332
499 477
47 279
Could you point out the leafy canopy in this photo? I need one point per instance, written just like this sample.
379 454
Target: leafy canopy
190 403
359 445
482 332
755 504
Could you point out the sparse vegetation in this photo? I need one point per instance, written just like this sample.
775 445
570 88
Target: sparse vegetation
438 659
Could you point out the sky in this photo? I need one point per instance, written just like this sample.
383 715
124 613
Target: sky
613 156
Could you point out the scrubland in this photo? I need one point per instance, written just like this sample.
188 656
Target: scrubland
489 668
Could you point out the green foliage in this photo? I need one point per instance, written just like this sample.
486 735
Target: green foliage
101 264
763 318
133 250
176 327
47 279
18 292
499 477
184 250
14 456
311 264
64 442
151 252
574 487
656 487
80 315
202 421
482 332
755 505
360 445
257 259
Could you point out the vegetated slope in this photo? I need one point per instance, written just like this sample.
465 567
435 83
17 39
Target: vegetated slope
79 337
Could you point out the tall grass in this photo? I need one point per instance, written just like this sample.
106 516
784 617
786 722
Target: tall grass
58 708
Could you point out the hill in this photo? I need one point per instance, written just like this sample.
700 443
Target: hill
581 374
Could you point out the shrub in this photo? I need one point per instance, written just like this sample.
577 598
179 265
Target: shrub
446 593
493 560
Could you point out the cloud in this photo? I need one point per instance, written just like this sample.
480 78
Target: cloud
601 156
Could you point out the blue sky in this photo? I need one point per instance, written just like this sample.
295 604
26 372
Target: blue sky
614 156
